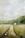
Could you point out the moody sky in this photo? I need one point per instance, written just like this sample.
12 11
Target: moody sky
12 8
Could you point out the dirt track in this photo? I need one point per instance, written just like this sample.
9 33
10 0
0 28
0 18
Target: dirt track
22 27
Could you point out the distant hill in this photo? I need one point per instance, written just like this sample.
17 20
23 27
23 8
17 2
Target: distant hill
21 19
18 20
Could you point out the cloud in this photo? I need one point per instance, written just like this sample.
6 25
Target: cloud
12 8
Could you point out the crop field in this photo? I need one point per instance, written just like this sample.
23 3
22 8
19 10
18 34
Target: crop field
19 29
4 27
